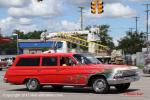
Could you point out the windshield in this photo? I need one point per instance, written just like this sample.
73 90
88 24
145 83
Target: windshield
59 45
86 59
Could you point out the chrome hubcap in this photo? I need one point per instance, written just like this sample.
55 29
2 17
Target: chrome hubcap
32 85
99 85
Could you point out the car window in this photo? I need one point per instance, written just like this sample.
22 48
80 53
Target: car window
28 62
49 61
67 61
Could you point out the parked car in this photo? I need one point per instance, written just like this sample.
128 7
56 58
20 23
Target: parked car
69 69
3 64
9 61
146 69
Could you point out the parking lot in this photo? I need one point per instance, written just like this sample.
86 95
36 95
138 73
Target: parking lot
138 91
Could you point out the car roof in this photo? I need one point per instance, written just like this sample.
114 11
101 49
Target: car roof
46 54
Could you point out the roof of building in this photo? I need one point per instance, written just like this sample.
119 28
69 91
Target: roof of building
39 44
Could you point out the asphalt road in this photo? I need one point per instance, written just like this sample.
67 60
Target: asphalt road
138 91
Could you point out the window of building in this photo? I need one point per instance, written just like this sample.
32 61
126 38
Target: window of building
28 62
49 61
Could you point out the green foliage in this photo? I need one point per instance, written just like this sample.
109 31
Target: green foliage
30 35
11 48
141 66
105 38
8 48
132 43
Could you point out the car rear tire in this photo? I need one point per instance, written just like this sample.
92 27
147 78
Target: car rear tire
57 87
122 87
0 69
33 85
100 86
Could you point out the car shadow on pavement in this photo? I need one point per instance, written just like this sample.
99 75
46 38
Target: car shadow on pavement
146 75
74 90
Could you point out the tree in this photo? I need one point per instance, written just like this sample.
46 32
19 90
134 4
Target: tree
105 38
11 48
133 42
103 35
30 35
8 48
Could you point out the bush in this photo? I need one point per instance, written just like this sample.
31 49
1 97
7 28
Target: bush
141 66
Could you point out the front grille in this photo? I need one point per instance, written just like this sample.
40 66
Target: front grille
128 73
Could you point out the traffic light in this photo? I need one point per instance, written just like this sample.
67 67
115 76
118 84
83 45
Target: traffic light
100 6
93 7
39 0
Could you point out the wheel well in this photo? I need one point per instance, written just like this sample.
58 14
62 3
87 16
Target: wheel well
25 80
94 77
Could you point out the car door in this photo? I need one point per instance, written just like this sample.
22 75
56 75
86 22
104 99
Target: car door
70 72
48 70
26 67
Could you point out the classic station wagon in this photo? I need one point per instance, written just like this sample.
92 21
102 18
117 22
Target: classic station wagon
69 69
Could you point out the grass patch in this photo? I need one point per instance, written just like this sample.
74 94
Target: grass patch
141 66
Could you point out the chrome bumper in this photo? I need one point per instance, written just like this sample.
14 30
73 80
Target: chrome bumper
123 80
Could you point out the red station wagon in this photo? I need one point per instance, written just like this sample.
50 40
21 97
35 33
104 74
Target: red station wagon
69 69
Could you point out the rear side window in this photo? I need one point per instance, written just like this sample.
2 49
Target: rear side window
49 61
28 62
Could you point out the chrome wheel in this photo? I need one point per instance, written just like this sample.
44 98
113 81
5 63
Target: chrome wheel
100 85
33 85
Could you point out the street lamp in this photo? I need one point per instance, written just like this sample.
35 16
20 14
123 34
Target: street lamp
17 42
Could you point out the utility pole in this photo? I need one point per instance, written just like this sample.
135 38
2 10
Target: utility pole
147 26
81 11
136 23
0 32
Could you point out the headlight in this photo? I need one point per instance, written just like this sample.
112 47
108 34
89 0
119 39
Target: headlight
118 74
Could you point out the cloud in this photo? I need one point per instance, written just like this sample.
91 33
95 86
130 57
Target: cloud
63 25
87 2
66 25
25 21
115 41
6 25
78 2
119 10
25 24
27 28
115 10
37 9
8 3
139 0
9 24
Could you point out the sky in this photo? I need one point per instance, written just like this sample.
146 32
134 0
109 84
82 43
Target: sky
64 15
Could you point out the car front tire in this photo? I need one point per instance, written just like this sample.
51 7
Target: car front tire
100 86
122 87
33 85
